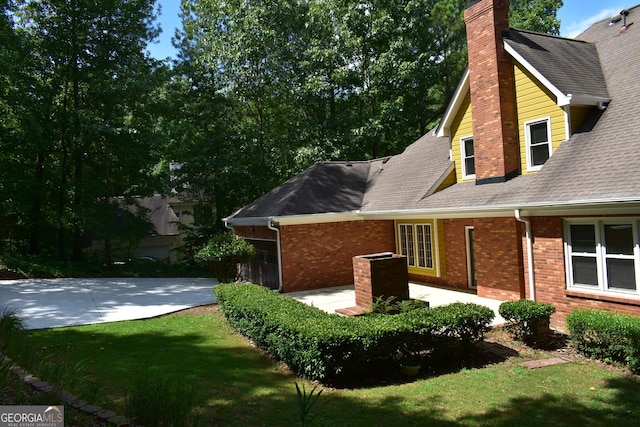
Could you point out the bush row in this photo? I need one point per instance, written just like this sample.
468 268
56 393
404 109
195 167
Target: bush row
322 346
611 337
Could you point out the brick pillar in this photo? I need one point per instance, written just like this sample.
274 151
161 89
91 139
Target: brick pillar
492 84
380 275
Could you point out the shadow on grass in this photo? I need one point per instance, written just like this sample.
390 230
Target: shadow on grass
621 409
448 361
237 385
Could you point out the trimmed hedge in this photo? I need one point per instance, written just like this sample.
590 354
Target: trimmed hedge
322 346
611 337
523 315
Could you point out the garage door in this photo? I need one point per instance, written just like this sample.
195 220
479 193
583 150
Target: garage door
263 269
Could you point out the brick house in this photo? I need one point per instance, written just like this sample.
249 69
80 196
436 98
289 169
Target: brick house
529 187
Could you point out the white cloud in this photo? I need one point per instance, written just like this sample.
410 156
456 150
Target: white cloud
575 28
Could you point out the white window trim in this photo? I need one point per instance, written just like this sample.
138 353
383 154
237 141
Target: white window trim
463 157
527 136
601 256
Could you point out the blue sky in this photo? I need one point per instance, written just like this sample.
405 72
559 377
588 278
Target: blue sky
575 16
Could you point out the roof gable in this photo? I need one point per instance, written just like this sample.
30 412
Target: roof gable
570 69
322 188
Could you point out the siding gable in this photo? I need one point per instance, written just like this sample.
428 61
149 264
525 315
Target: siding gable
535 102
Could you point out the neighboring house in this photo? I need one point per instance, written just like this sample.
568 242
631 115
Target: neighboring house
529 188
170 220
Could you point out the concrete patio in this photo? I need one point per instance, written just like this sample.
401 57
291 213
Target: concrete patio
331 299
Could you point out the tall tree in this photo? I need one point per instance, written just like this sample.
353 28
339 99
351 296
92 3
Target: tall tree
96 82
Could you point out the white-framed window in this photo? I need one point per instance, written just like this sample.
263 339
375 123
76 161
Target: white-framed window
468 158
538 137
602 255
416 243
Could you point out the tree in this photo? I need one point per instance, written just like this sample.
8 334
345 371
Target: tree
536 15
95 89
222 255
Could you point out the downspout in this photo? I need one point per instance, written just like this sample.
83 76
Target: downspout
270 225
527 223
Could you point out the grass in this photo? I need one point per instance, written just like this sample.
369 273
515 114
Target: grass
234 384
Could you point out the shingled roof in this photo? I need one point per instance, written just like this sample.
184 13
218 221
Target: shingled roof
570 66
327 187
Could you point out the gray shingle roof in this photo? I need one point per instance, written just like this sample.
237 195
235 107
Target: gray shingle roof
572 66
323 188
405 179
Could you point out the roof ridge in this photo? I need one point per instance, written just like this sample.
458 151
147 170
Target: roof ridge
549 35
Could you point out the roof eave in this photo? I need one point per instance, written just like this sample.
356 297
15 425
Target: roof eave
585 207
296 219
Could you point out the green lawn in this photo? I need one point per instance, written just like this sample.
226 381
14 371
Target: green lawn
236 385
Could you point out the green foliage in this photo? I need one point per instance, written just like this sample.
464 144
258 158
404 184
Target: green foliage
323 346
304 403
81 120
11 322
157 402
611 337
523 316
223 252
535 15
51 267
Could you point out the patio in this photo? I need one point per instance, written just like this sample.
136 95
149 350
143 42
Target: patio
331 299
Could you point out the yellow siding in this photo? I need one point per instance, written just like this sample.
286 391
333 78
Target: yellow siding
437 244
578 115
535 102
448 181
461 127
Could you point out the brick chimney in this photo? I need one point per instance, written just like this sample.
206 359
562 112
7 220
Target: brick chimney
492 83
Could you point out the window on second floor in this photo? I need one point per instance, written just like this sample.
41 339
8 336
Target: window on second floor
538 135
468 158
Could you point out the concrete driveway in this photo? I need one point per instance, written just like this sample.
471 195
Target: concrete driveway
48 303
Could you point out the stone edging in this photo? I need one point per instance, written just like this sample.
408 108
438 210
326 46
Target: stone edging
66 397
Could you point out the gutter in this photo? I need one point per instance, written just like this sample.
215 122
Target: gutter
271 225
527 223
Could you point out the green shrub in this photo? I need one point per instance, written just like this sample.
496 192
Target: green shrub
611 337
223 252
323 346
524 316
11 321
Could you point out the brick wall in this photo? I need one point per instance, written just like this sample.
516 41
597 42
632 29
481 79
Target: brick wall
262 232
380 277
499 262
492 85
321 255
499 265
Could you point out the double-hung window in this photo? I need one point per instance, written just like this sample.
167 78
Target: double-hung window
415 242
603 255
538 137
468 158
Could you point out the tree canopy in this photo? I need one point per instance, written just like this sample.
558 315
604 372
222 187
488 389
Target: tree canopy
259 91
